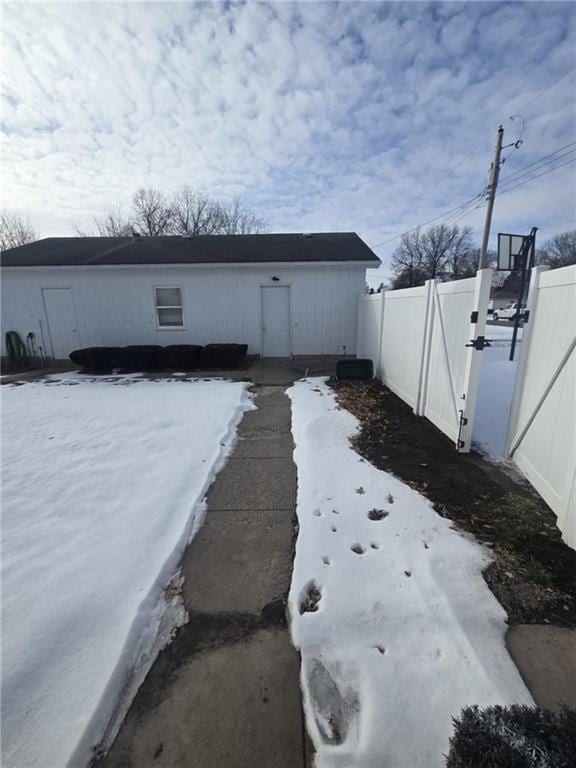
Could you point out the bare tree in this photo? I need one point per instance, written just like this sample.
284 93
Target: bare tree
499 277
462 256
187 213
407 260
237 220
560 251
439 252
151 212
111 224
15 231
194 213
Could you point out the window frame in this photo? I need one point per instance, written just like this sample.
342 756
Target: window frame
172 306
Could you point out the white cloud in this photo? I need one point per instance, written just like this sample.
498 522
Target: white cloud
363 116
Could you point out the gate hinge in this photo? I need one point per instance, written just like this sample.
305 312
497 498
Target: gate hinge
462 422
479 343
474 317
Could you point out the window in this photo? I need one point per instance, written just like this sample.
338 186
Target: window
169 308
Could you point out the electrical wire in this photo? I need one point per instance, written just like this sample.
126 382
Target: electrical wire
455 214
459 208
546 88
528 173
525 168
516 114
533 178
463 215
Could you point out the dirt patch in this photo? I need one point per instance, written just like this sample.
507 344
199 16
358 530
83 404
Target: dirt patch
533 574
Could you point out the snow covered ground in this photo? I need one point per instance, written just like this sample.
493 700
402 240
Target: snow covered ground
497 377
103 486
396 626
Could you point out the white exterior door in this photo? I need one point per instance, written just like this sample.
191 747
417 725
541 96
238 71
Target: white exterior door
62 325
276 321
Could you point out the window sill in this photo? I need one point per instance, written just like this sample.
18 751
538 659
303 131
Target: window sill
170 328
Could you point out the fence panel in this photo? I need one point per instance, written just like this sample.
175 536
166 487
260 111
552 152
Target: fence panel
449 390
419 339
542 430
402 345
369 327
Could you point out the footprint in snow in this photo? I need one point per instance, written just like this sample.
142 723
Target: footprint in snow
310 597
390 499
358 549
335 705
360 490
377 514
317 513
325 560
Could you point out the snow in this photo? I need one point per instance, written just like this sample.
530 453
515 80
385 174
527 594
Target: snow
497 376
103 486
406 631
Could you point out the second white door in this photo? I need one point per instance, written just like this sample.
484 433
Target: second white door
276 321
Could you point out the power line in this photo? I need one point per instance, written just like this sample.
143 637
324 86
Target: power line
546 88
431 221
521 171
453 221
514 180
540 166
457 213
533 178
517 111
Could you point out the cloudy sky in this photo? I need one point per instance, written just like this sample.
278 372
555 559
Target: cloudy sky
371 117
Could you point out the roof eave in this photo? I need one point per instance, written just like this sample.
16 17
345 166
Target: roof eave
367 264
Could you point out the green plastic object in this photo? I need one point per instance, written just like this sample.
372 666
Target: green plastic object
354 370
16 349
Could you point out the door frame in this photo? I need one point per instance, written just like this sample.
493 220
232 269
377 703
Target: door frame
276 285
58 288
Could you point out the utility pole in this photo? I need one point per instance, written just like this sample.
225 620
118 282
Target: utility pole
493 183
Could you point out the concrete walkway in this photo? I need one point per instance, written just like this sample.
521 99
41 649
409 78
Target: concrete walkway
225 693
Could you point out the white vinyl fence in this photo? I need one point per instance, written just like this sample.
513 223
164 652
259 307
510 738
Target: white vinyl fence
423 343
542 428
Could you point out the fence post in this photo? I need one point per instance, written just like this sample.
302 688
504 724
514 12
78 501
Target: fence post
379 362
527 328
474 358
419 406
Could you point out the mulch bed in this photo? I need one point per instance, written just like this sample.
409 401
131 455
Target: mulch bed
533 574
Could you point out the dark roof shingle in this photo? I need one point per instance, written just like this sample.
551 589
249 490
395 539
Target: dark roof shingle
200 249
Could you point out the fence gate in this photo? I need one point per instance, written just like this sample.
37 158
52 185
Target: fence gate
426 344
453 355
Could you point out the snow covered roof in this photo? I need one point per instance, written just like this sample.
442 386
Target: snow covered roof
199 249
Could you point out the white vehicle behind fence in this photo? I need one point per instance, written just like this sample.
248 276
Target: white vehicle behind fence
508 312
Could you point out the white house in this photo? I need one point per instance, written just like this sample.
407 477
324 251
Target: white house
283 295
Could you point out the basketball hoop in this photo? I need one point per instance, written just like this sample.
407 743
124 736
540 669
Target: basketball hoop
512 250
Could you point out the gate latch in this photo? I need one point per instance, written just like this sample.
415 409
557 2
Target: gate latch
479 343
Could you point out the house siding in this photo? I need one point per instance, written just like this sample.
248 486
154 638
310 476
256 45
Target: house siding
116 306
